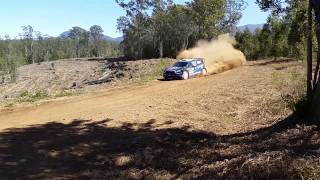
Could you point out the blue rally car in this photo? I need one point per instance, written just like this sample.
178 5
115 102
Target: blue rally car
185 69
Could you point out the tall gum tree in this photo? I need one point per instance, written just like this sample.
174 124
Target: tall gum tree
316 99
313 88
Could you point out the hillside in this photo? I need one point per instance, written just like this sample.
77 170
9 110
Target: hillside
105 37
251 27
73 76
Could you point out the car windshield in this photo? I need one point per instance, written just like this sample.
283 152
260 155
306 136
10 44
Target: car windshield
180 64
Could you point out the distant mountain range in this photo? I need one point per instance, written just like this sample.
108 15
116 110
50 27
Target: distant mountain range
105 37
251 27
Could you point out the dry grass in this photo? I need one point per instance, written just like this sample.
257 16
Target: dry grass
78 76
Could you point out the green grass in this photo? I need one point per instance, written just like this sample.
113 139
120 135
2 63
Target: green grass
26 96
155 72
9 105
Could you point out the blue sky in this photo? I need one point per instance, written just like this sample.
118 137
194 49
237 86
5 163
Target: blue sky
52 17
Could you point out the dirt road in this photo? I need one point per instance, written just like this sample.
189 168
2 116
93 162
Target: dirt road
164 130
233 101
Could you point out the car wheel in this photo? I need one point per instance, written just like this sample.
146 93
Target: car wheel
185 75
204 72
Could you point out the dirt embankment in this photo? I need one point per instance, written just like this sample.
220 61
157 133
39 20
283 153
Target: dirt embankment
57 77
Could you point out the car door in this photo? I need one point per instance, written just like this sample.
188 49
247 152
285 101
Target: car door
191 69
198 67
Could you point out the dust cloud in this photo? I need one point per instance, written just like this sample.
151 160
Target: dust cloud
219 54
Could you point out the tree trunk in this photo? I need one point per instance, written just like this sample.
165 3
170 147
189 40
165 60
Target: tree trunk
309 54
315 94
316 72
316 97
161 48
186 42
32 53
316 104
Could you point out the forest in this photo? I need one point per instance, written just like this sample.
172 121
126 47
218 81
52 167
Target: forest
283 35
35 47
171 28
160 28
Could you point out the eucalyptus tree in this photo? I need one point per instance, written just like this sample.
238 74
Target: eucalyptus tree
207 14
182 30
280 6
27 38
232 14
96 36
159 22
136 17
80 39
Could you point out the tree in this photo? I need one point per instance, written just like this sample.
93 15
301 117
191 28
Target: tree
136 13
181 29
278 34
96 34
28 40
42 51
297 23
232 14
7 60
264 37
247 43
159 22
36 47
169 28
207 14
81 41
313 89
316 87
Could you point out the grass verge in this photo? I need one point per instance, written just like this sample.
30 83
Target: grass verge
291 84
155 72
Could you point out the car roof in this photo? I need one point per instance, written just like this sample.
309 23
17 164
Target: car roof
189 60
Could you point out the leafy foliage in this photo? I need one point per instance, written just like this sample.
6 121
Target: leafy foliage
171 28
282 36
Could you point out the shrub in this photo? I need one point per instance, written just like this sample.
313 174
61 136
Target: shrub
25 96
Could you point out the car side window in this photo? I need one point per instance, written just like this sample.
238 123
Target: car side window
194 63
199 62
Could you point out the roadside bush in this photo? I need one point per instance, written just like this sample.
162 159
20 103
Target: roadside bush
26 96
